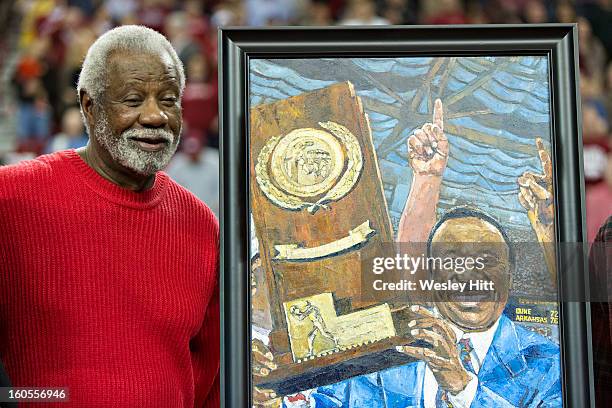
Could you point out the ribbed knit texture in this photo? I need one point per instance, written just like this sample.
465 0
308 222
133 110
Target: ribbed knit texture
110 292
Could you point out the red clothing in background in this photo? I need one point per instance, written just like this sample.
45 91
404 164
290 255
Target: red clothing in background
200 107
106 291
598 207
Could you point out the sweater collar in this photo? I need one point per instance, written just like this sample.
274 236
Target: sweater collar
112 192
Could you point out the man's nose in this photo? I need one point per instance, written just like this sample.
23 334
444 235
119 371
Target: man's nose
152 115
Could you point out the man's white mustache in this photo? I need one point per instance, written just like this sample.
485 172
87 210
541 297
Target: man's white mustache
148 134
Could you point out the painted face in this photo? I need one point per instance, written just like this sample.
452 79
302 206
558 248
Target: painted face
139 120
473 237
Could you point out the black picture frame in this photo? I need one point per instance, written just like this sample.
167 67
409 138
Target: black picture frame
238 45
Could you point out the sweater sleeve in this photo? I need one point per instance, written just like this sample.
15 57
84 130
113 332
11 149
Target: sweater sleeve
205 357
206 348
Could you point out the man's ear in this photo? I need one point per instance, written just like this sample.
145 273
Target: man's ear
87 106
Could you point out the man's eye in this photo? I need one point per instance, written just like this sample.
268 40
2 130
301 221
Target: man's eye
170 100
132 101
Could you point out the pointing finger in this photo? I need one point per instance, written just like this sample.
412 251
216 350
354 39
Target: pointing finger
438 114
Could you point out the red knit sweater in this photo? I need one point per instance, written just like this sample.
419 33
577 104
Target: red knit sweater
106 291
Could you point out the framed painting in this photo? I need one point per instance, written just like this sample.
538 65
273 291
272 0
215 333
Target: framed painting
399 207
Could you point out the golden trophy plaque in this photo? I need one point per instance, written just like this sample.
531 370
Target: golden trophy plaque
319 210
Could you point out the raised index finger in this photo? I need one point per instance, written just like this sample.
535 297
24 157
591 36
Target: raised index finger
438 114
544 158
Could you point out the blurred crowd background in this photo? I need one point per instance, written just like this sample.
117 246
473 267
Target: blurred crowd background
43 42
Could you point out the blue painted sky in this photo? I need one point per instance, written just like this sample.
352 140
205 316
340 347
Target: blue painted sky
514 91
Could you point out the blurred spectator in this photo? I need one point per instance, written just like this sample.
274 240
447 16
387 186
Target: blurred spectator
599 201
399 12
79 36
444 12
177 31
318 13
54 35
565 12
200 100
596 143
120 9
33 111
362 12
197 24
33 12
502 12
228 14
197 169
592 53
475 13
534 12
599 14
102 22
595 121
72 135
86 6
268 12
153 13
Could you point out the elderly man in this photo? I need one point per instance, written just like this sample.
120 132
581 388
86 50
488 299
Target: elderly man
110 268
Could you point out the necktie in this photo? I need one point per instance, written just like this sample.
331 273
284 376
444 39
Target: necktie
466 349
465 354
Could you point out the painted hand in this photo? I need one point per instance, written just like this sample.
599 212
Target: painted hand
262 364
536 195
443 358
428 147
535 190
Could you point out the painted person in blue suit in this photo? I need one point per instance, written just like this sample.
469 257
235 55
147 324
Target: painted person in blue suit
475 356
469 353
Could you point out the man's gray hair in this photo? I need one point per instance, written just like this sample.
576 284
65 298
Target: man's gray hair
131 38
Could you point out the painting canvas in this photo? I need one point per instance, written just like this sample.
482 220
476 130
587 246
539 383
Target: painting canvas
351 158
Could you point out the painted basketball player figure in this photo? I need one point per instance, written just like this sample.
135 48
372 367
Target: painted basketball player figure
313 313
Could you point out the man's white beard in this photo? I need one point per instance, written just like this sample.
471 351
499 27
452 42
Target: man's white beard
126 152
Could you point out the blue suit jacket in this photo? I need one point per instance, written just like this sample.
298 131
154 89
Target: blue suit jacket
521 369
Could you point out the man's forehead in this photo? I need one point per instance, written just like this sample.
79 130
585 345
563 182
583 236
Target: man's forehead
125 66
468 229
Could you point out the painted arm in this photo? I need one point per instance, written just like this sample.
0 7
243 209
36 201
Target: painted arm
536 196
428 151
